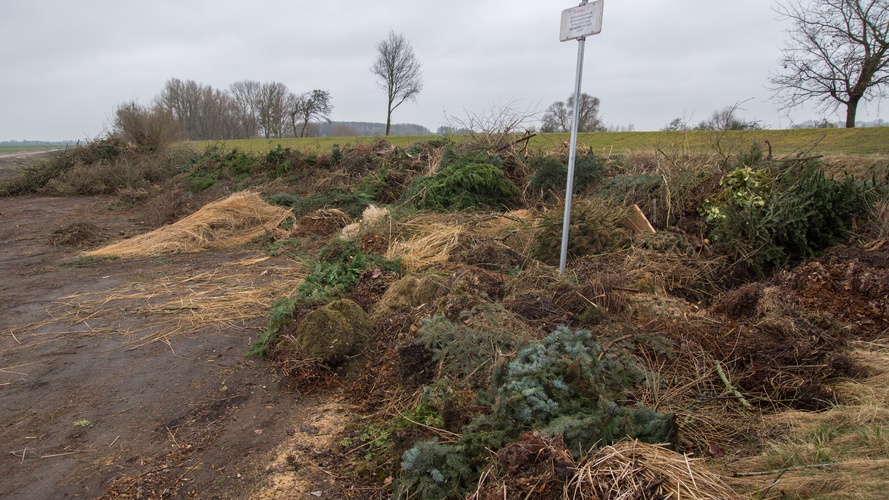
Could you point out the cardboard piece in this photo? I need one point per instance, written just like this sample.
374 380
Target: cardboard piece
638 222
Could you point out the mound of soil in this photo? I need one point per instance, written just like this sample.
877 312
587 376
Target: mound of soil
327 222
78 234
851 282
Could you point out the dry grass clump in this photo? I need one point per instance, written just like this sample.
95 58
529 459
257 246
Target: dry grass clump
693 277
373 217
233 221
632 469
431 244
516 229
880 219
842 452
712 420
432 239
627 470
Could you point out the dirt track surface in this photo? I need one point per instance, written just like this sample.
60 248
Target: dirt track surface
86 412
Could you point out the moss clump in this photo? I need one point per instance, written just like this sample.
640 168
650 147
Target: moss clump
410 291
332 333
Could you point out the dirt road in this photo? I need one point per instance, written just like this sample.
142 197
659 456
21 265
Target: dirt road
88 410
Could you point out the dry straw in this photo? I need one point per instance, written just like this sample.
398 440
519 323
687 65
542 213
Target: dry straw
632 469
430 239
372 217
227 298
431 246
227 223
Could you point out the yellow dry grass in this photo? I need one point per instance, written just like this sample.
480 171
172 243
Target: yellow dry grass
632 469
432 244
374 216
839 453
429 239
226 223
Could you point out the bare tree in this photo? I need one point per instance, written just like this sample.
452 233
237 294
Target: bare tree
837 54
271 108
496 127
246 95
182 100
217 115
727 119
398 71
557 118
201 111
148 126
314 105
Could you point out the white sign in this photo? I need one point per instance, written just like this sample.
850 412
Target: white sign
582 21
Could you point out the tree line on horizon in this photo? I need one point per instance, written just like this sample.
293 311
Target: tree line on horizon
192 111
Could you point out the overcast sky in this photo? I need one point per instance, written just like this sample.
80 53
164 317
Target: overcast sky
67 64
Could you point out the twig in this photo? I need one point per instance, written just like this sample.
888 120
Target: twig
190 469
173 437
68 453
777 478
115 440
326 472
782 471
524 138
431 428
730 387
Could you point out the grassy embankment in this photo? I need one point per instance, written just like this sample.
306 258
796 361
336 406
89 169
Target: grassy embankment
10 149
859 141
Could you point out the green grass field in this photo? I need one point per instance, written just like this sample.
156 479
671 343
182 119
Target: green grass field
7 149
858 141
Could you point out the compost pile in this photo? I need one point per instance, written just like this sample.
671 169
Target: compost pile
700 293
481 371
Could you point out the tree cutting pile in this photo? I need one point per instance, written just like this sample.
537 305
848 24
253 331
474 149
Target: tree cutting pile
720 329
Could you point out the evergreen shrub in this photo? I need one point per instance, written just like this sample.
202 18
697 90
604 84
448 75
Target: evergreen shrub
551 175
463 351
560 386
337 270
597 226
467 181
434 471
556 386
351 203
768 218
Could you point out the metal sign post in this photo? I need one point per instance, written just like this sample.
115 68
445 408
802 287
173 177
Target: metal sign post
577 23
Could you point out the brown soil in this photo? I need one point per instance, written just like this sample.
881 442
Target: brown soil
86 412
